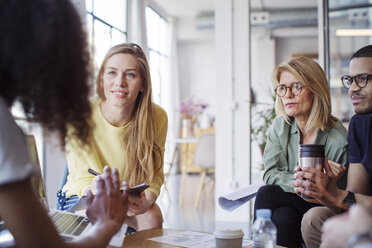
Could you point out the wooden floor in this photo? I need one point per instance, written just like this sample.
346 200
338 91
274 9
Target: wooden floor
187 216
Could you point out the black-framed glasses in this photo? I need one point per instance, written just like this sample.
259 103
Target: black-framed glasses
295 88
361 80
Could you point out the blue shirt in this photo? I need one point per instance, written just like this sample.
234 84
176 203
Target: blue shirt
360 141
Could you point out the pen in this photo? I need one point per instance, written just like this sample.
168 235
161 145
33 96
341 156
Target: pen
93 172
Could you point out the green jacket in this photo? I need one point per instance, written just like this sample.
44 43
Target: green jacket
281 151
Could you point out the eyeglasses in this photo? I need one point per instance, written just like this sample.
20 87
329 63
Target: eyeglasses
361 80
295 88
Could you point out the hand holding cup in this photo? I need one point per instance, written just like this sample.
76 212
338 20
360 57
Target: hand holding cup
310 156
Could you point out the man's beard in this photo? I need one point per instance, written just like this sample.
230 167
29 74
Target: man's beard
365 110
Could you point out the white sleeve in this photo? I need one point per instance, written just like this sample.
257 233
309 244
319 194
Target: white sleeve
15 163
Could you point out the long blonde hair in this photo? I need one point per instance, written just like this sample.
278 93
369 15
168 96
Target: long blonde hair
140 146
312 76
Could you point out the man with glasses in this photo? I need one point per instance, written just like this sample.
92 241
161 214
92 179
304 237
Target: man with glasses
359 187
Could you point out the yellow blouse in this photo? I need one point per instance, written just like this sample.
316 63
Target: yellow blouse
107 148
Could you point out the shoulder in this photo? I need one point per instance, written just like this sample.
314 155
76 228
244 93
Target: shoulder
336 136
358 121
279 120
96 115
359 117
338 132
160 114
161 118
15 163
279 124
360 128
159 110
9 130
4 112
94 102
335 141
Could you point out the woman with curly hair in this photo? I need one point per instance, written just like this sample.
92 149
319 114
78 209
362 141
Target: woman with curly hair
129 134
44 66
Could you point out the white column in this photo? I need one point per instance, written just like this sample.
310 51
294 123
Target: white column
137 24
323 34
233 115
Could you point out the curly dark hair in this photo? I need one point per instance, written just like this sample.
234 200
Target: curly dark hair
44 64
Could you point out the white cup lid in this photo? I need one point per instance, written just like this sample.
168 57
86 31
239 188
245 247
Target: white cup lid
228 234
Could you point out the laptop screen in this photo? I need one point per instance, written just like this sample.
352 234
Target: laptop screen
37 180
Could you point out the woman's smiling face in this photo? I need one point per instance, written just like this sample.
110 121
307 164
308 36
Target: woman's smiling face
121 81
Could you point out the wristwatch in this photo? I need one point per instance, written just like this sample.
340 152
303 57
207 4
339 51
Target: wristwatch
349 199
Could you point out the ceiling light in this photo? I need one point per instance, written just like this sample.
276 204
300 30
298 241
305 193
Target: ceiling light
354 32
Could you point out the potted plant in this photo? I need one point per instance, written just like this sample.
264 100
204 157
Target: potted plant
190 109
260 132
264 119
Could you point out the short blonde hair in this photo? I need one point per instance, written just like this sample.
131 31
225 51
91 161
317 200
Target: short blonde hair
311 76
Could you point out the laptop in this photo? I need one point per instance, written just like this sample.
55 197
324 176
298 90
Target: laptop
69 225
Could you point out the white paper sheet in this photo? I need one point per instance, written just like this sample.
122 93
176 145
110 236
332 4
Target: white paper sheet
192 239
237 198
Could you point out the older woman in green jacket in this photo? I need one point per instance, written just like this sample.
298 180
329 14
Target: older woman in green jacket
303 106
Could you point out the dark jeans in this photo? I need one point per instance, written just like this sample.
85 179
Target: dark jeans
65 203
287 211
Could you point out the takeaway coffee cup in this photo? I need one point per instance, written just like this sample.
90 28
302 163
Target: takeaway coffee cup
226 238
310 155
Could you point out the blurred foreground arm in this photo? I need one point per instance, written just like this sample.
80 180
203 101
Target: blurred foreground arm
338 230
31 226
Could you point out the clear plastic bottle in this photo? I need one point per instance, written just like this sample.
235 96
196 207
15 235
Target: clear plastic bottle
264 231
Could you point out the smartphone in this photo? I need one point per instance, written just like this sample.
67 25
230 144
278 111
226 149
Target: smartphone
137 190
134 191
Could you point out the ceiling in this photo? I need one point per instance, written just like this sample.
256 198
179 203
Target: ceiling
184 8
191 8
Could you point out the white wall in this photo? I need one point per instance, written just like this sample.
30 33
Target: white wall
285 46
187 30
197 71
197 63
262 65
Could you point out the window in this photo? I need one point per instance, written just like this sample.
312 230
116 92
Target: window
157 35
106 26
347 19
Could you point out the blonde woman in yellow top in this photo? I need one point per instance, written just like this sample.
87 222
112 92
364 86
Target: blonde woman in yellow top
129 134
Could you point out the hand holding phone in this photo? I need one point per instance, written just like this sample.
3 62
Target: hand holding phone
137 190
134 191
